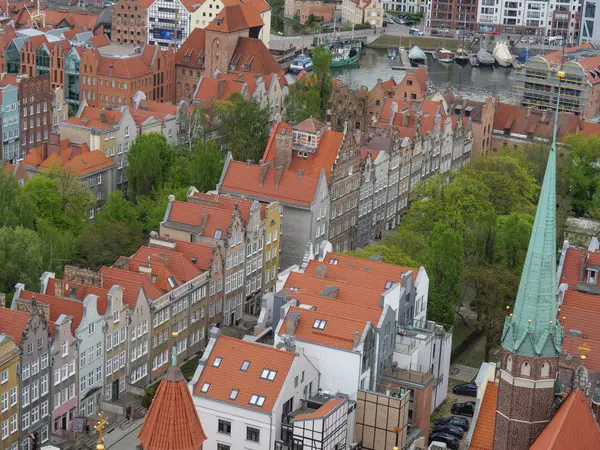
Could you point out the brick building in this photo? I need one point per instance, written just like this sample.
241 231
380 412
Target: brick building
129 22
189 63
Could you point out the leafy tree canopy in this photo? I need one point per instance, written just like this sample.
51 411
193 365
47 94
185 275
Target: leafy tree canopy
149 159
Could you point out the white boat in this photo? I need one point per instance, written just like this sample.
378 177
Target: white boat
502 55
417 56
461 56
445 56
300 63
484 58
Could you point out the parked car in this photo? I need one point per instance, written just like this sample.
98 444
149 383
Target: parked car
451 441
415 32
469 389
448 429
464 409
455 421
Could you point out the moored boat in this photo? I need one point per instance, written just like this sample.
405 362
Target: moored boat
461 56
502 55
524 55
445 56
484 58
300 63
345 56
392 53
417 56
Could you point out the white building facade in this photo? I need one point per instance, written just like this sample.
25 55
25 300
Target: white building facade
163 17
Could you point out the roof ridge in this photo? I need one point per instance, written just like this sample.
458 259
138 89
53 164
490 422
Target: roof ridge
266 347
325 314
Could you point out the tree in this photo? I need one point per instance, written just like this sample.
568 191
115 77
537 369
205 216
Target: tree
151 210
20 258
193 124
494 288
583 172
74 197
58 246
150 159
411 243
321 60
512 240
104 242
444 267
206 165
244 127
302 102
118 209
13 210
389 254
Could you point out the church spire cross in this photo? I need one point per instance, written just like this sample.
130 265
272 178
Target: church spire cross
532 329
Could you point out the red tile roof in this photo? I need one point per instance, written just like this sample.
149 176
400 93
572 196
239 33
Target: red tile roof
13 323
590 129
192 52
172 421
229 376
243 180
208 218
210 90
323 158
227 203
389 271
131 283
8 168
327 408
251 55
483 435
236 17
78 291
202 252
572 426
177 263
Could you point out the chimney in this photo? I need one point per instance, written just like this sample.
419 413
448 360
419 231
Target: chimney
278 175
264 169
283 149
300 173
204 218
110 70
528 114
405 118
321 271
102 115
584 261
356 339
248 162
59 290
291 323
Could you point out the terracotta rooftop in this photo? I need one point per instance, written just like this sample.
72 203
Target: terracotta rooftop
246 180
209 221
251 55
177 263
483 435
590 129
322 159
192 51
8 168
572 426
77 291
202 252
339 330
13 323
131 282
221 379
327 408
227 203
172 421
236 17
210 90
58 306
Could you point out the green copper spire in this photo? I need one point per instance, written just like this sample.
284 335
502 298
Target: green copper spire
533 329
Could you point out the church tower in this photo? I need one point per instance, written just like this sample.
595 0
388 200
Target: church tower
532 337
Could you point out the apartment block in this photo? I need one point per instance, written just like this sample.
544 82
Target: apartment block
129 22
157 117
451 14
11 123
93 168
360 11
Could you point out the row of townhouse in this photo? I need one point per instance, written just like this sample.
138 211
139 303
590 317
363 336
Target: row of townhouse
346 188
357 12
279 389
110 332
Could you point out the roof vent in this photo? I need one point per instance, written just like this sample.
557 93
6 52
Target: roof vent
330 292
194 259
219 22
575 333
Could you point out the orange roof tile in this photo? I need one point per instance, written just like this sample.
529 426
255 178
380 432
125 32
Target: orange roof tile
323 158
131 283
172 421
89 162
13 323
181 267
352 309
251 55
8 168
236 17
194 215
338 333
483 435
245 180
228 376
191 53
327 408
590 129
572 426
58 306
78 291
202 252
389 271
211 89
228 203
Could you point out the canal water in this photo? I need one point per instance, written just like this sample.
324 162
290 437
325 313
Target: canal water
476 83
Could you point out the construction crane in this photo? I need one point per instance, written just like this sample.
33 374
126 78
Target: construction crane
34 17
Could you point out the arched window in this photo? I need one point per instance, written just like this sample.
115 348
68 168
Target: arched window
545 373
509 364
526 369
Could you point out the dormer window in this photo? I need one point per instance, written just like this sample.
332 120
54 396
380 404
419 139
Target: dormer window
319 324
592 276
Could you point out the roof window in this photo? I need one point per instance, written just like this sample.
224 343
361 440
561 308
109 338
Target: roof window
205 387
319 324
294 289
257 400
333 261
172 281
388 284
268 374
217 361
234 393
245 366
218 234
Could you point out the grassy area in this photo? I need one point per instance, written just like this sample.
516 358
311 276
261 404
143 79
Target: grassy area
424 42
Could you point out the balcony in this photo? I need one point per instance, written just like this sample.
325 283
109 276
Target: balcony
487 18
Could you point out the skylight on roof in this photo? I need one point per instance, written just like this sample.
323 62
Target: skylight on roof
268 374
205 387
319 324
333 261
257 400
245 366
217 361
218 234
294 289
388 284
234 393
172 282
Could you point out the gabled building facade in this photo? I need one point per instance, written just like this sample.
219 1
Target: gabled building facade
9 392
